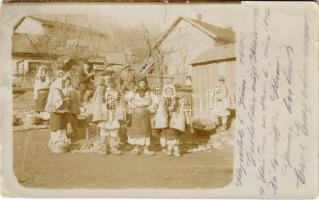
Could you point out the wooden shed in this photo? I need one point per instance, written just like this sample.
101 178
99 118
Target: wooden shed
206 68
184 40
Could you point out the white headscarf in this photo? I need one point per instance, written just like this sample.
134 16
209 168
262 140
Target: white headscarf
55 100
67 88
38 84
39 72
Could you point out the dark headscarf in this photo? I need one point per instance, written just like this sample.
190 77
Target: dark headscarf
140 90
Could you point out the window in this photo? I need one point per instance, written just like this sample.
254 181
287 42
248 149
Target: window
34 66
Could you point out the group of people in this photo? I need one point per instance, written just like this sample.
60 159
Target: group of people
108 109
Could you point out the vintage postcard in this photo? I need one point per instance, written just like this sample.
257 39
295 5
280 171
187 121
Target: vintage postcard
159 100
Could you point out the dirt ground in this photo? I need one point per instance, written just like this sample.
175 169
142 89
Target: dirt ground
35 166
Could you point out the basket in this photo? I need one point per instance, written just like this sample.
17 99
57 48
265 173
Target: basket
58 148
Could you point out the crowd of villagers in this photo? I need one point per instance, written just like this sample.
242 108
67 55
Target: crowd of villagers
60 102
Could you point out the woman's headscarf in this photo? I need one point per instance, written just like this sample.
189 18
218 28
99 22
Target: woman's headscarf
39 72
110 74
66 78
41 84
140 90
168 87
60 74
53 99
141 78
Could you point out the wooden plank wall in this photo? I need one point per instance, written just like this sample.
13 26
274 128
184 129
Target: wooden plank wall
204 79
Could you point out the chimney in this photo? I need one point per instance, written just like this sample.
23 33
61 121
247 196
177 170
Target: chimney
199 17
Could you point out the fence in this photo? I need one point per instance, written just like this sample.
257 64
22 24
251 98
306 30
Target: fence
159 81
27 80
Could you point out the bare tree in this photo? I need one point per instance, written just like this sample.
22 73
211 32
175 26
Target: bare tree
64 42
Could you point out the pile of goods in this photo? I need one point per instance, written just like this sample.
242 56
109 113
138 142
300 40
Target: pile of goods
202 148
217 139
27 120
57 145
17 121
204 126
88 147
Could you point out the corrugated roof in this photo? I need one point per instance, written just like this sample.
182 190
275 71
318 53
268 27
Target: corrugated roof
215 54
213 31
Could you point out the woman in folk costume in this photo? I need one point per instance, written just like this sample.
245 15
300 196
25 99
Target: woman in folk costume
171 119
72 101
139 133
56 105
41 91
104 114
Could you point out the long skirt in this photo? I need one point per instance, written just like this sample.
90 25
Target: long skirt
58 121
140 130
72 119
58 139
41 100
169 136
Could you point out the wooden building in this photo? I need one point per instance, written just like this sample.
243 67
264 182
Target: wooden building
38 41
184 40
206 68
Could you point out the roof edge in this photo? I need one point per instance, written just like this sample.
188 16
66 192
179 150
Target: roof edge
213 61
191 22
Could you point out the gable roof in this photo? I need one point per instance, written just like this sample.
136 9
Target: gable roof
224 52
116 58
58 24
37 45
213 31
31 44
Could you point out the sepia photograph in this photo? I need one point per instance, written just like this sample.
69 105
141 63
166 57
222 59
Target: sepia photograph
115 101
159 100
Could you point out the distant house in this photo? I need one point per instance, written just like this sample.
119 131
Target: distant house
207 67
38 41
115 61
182 42
110 61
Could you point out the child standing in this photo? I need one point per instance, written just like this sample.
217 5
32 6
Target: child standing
170 118
72 102
104 106
127 97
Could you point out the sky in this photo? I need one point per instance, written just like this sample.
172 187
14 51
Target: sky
152 16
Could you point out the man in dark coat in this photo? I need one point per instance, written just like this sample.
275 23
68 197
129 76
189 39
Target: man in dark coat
86 78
